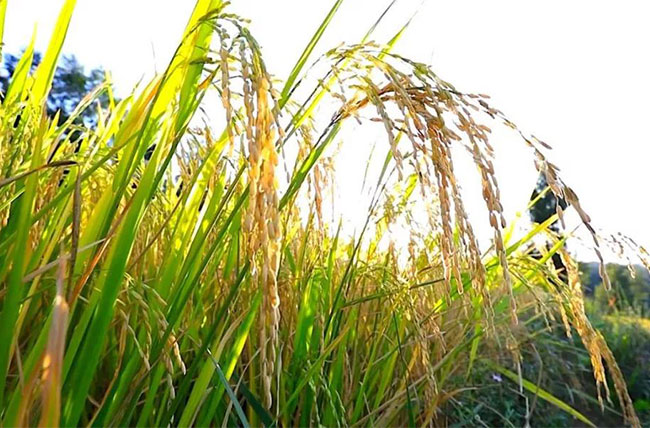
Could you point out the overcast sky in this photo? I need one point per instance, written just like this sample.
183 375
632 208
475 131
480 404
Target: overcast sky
575 73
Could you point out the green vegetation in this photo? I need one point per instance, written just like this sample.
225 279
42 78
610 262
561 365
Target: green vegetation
630 295
175 265
629 339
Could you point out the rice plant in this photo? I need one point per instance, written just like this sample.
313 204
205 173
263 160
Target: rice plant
175 264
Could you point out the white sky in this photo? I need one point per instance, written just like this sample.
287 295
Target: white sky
575 73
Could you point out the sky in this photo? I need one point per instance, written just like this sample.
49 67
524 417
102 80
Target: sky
574 73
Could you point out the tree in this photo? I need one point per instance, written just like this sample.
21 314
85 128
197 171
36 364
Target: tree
70 84
543 209
546 206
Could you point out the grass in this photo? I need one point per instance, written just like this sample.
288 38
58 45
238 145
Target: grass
159 269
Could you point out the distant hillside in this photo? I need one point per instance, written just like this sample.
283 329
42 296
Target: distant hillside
627 290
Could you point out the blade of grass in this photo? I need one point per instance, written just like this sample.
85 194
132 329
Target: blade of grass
297 68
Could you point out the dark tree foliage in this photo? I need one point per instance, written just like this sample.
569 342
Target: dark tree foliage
71 83
546 206
541 211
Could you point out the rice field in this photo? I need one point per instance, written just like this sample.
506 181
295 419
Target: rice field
176 263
